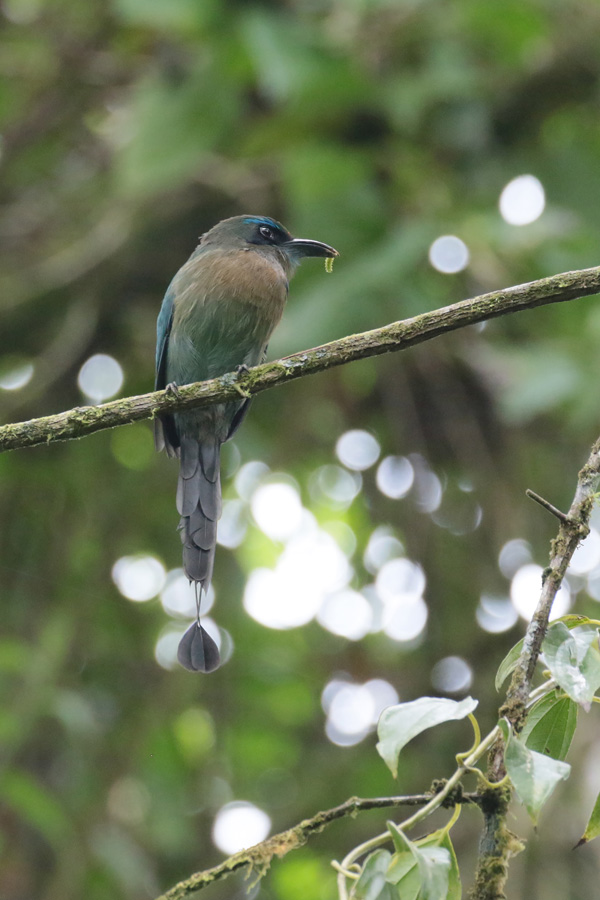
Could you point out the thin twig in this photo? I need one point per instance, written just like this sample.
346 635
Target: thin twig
561 516
259 857
76 423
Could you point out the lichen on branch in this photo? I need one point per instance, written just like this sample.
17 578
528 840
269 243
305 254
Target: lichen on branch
81 421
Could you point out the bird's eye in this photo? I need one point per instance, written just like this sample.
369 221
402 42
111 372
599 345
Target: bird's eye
266 232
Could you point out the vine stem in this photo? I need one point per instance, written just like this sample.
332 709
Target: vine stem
425 811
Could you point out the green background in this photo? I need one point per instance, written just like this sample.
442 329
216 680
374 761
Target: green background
129 128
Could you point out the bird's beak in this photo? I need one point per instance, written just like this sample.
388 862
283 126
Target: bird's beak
300 247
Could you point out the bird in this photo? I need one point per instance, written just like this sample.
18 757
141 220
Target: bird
217 316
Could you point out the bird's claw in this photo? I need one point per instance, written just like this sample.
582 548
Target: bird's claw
241 371
245 394
172 390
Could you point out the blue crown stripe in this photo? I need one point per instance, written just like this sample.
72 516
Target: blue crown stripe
261 220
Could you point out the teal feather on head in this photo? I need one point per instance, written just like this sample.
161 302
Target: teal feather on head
263 220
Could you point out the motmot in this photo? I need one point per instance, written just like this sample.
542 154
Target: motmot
217 316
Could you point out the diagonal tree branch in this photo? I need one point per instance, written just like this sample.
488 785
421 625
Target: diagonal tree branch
78 422
259 857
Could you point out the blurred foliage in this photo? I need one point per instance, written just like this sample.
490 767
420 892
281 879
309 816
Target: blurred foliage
130 127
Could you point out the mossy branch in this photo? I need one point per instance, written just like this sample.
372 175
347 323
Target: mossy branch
78 422
259 858
498 844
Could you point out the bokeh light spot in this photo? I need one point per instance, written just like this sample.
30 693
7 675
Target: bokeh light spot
311 566
165 649
451 675
273 601
239 825
513 555
139 577
249 476
407 620
495 614
178 596
277 510
383 545
15 378
587 556
232 524
522 201
347 614
395 476
354 709
400 578
100 377
357 450
428 491
335 486
525 591
448 254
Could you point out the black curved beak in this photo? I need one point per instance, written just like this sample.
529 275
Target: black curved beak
302 247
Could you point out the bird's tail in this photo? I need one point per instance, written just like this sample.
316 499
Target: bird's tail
199 504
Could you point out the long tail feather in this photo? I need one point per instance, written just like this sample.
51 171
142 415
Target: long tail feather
199 504
197 651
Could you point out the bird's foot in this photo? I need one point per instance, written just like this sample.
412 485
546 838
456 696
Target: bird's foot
240 371
172 390
245 394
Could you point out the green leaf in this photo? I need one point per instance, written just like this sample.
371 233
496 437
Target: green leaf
508 664
573 661
372 884
428 871
551 725
400 724
434 868
403 871
533 775
593 826
401 842
454 885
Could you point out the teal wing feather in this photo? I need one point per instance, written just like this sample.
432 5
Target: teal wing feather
163 330
165 432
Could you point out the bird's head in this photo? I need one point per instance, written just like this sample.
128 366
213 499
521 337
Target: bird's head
265 235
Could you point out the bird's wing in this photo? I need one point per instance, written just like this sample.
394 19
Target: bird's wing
163 330
165 434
